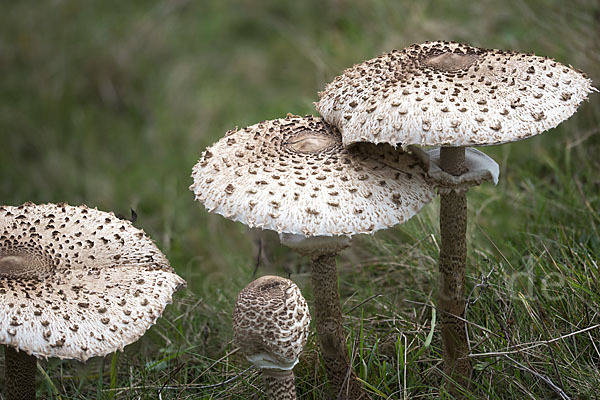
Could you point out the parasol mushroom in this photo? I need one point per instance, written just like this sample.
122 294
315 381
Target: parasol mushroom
294 176
75 283
271 325
452 95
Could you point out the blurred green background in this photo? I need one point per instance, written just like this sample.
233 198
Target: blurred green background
110 103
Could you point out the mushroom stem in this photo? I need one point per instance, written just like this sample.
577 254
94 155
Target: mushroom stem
452 262
328 314
280 384
19 374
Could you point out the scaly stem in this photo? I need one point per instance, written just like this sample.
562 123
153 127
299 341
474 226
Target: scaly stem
452 263
281 385
20 374
328 315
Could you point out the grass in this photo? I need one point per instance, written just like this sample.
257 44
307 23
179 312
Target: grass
111 103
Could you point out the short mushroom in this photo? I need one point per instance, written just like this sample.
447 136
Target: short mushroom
294 176
75 283
452 95
271 325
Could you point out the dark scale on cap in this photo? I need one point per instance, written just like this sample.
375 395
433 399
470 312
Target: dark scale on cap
57 263
295 176
437 83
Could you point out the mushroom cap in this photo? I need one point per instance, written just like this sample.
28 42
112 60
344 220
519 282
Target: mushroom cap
293 175
76 282
271 322
451 94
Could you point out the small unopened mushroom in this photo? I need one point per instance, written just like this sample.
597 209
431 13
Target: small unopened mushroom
452 95
271 325
295 177
75 283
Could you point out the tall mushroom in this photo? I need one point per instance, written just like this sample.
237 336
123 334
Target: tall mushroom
271 325
294 176
452 95
75 283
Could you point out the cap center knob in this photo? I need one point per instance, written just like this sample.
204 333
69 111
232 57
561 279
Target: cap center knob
309 142
23 265
13 265
450 61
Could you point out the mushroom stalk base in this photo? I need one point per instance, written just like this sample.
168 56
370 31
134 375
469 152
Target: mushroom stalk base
453 254
328 314
281 385
20 374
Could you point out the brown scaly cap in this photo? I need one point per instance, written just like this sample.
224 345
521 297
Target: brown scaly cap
293 175
271 322
76 282
451 94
